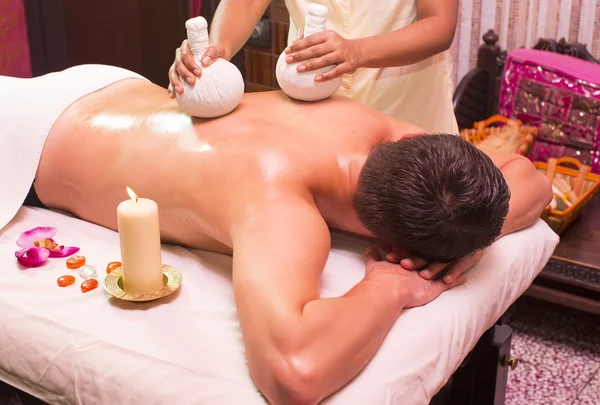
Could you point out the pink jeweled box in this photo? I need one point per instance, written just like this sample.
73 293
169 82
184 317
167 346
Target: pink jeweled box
561 96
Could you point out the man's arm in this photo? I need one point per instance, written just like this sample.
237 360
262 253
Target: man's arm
530 191
300 348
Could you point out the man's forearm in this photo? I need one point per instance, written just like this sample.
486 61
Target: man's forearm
408 45
335 338
234 21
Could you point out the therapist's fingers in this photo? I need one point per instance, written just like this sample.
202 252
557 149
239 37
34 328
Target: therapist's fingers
299 35
187 57
432 270
211 54
175 83
306 43
184 73
335 72
317 51
318 63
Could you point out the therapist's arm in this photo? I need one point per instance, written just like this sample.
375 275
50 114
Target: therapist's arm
300 348
431 34
232 25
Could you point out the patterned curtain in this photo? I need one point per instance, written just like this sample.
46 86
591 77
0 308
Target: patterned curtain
14 48
520 23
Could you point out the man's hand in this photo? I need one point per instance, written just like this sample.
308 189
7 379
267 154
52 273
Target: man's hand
324 49
185 64
418 289
432 270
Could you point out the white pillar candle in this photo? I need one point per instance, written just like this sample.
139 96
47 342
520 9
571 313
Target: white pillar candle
139 234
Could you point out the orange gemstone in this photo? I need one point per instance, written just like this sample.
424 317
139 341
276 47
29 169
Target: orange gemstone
89 285
65 281
75 262
112 266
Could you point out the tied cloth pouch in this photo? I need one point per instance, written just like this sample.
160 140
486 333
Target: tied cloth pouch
561 96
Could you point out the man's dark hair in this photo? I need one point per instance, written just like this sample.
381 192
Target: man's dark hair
437 196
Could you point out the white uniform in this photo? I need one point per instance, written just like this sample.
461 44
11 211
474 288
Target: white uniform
420 94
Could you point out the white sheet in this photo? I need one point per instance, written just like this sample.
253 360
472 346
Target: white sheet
23 135
67 347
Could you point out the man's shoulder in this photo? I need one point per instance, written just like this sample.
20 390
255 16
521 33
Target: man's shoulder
282 214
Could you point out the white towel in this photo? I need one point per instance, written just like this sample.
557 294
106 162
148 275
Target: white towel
28 110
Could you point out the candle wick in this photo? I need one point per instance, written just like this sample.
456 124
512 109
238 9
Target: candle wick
136 199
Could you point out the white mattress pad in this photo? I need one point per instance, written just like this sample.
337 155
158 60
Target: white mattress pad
66 347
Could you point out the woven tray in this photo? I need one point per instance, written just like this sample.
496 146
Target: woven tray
496 126
583 183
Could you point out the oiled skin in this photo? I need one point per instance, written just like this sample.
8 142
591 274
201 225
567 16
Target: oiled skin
265 181
206 174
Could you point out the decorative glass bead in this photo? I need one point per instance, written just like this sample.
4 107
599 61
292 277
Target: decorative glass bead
75 262
88 272
65 281
112 266
89 285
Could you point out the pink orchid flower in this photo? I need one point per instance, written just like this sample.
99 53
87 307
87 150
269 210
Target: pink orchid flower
37 245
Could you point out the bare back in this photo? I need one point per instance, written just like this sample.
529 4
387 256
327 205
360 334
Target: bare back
206 175
267 180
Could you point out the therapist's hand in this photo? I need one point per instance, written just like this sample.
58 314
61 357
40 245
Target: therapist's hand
325 49
416 290
430 271
186 67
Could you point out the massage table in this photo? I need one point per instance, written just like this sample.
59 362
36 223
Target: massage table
66 347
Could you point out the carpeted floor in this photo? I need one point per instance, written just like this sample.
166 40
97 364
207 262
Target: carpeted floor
559 351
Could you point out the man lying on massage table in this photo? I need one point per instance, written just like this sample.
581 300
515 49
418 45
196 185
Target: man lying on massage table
265 182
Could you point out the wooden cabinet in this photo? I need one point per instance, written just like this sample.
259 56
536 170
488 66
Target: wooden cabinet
139 35
259 63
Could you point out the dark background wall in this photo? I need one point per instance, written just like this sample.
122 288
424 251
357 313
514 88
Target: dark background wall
140 35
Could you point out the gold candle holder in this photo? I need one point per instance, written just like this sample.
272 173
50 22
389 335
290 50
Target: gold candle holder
113 284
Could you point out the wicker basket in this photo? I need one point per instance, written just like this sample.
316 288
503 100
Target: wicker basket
582 182
483 129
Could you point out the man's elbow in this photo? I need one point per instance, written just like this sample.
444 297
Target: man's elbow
531 192
542 186
290 379
538 185
546 191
